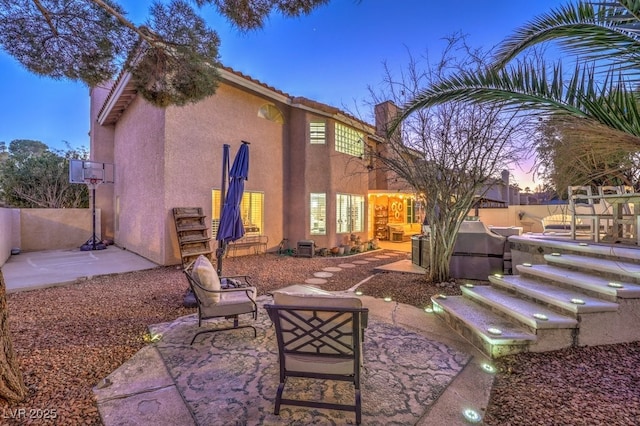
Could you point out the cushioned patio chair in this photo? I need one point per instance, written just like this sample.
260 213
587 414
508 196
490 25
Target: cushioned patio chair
216 302
319 337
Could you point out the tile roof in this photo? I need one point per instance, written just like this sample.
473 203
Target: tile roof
123 92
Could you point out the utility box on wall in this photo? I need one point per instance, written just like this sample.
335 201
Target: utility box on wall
306 248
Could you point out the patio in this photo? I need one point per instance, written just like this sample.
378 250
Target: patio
416 372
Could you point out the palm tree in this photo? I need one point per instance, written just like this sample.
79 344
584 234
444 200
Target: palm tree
599 94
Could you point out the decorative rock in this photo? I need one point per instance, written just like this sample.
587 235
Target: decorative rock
347 265
332 269
322 274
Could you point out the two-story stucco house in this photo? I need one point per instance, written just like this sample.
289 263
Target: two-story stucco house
308 177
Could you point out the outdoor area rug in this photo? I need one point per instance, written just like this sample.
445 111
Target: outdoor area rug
230 377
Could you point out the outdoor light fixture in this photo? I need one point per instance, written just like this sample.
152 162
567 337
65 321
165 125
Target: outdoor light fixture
469 285
555 253
428 310
577 301
497 275
539 316
472 416
615 285
359 293
488 367
387 299
583 244
152 337
528 265
441 296
495 331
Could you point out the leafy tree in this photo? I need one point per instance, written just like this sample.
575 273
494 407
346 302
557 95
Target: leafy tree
569 156
599 93
449 154
173 56
34 176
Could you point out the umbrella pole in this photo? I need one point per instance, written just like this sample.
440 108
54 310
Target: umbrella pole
223 195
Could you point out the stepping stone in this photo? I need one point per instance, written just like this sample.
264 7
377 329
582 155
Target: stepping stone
315 281
360 262
322 274
332 269
383 256
347 265
371 259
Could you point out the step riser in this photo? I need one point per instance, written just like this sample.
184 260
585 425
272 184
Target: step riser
544 303
608 275
491 350
558 281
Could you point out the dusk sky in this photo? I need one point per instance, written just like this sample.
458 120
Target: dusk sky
331 56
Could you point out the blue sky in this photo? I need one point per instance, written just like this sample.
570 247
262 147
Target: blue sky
331 56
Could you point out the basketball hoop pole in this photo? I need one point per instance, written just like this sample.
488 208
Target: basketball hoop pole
93 184
92 174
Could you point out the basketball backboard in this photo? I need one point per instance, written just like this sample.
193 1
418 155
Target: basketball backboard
81 171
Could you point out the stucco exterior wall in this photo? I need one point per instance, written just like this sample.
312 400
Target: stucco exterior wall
195 135
9 232
48 229
139 189
101 146
319 168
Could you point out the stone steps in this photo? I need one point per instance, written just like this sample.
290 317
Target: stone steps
582 281
556 297
584 295
473 322
606 267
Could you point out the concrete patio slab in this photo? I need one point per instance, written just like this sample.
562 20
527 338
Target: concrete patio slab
41 269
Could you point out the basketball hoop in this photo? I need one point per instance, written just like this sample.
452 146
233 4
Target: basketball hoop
92 181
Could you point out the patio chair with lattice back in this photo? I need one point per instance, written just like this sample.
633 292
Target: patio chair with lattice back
319 337
214 301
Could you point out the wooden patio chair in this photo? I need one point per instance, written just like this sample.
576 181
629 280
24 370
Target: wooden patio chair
319 337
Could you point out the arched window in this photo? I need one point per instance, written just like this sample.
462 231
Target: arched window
271 112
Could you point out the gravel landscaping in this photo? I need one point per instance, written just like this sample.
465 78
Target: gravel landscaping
67 338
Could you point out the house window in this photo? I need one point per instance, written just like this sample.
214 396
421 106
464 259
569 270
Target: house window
271 113
251 212
349 213
317 132
318 208
349 141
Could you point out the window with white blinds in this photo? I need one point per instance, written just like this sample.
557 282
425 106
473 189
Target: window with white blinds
251 212
317 132
349 213
318 211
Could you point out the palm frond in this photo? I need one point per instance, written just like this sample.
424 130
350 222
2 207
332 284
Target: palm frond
603 32
524 88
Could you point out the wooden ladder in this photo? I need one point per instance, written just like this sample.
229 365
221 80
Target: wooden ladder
193 234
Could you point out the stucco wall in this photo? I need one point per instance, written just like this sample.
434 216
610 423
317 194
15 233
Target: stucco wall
9 232
139 192
102 145
49 229
195 136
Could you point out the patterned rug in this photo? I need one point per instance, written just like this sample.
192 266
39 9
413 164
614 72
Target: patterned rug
230 378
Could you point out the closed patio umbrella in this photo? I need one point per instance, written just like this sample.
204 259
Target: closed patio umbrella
231 227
